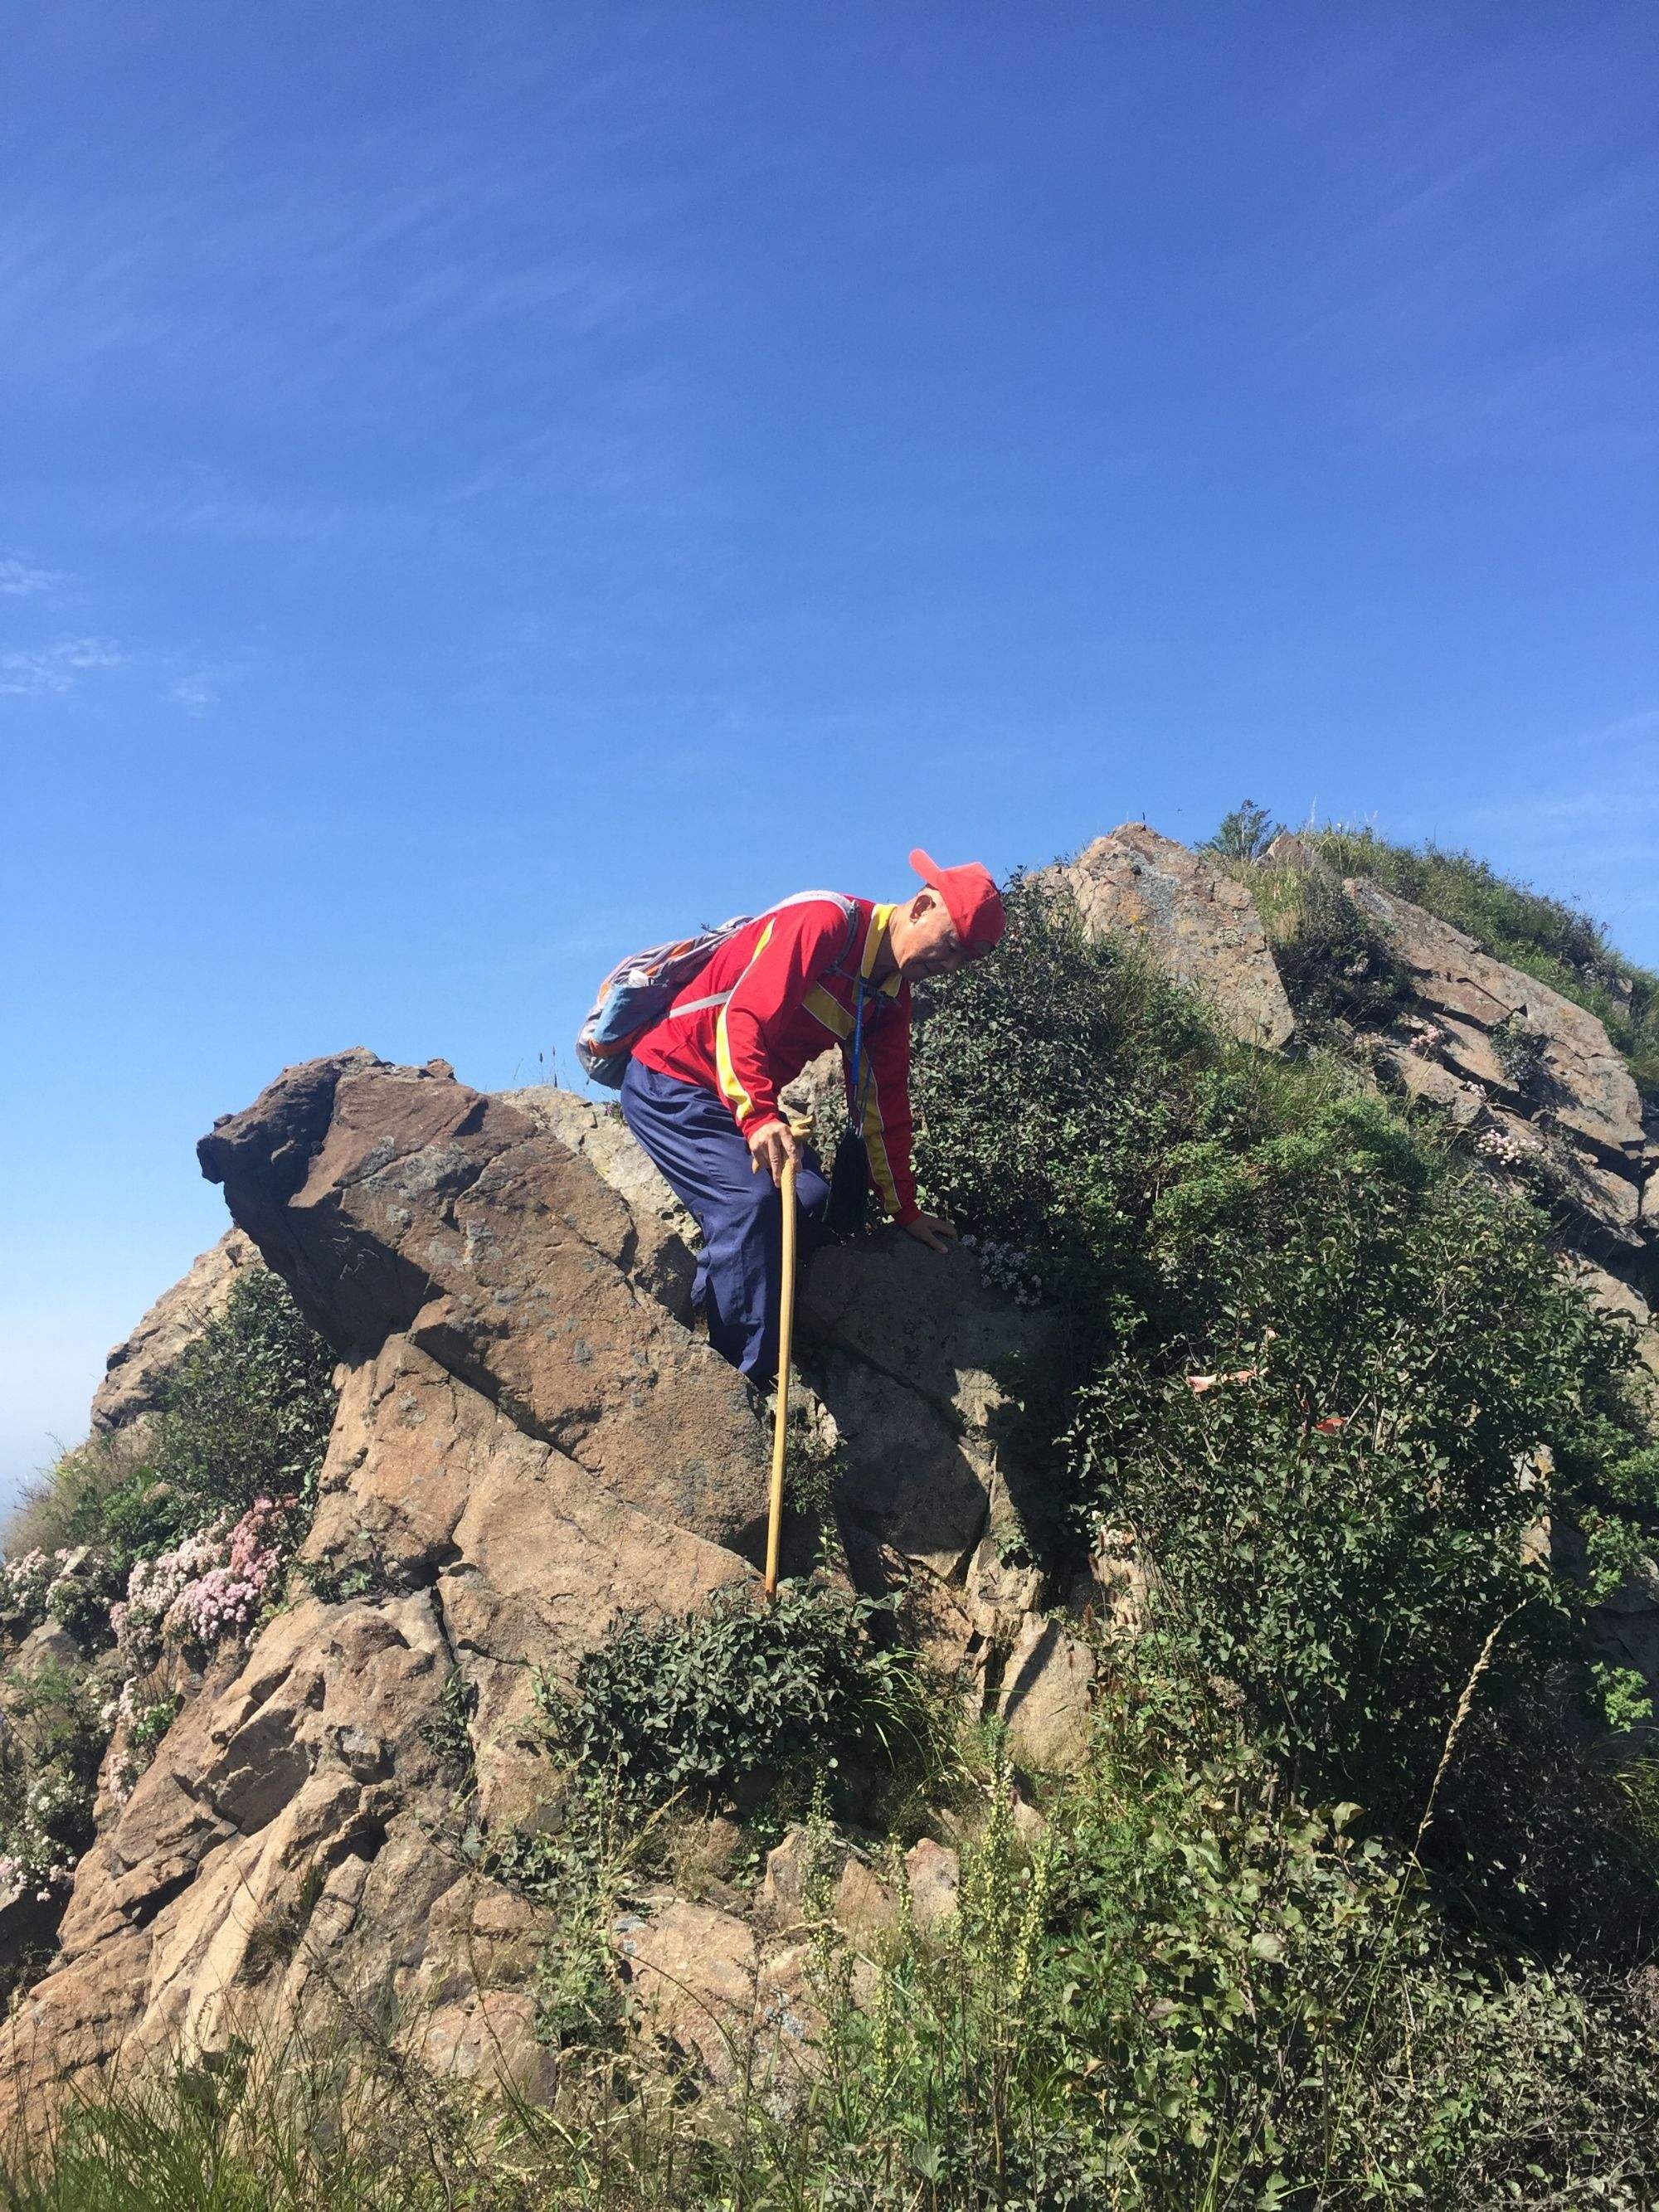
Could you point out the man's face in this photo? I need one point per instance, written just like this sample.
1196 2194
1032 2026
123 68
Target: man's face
924 939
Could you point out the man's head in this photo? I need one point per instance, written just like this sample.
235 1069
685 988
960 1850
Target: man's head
955 917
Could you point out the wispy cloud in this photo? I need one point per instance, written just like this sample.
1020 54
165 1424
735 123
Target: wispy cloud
198 691
1470 266
22 579
51 671
1590 824
52 667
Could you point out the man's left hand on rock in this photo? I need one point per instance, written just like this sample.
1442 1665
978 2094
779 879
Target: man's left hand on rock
927 1229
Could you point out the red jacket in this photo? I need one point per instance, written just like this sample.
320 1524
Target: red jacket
771 999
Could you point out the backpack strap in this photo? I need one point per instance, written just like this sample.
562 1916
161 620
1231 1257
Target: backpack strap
797 898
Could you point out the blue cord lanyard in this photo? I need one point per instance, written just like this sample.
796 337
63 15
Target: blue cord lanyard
858 1055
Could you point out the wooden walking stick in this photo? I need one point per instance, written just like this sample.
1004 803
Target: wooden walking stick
785 1332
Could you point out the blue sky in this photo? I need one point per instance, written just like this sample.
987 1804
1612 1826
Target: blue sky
483 487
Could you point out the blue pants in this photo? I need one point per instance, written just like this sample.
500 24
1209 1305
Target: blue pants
692 1137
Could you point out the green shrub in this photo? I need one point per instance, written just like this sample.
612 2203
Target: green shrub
1196 1991
741 1695
52 1734
1338 1532
246 1413
1334 1534
1048 1084
1244 834
1335 964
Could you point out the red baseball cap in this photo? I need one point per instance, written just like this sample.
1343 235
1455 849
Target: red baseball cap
971 899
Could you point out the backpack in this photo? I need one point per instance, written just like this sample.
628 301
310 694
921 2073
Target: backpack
640 990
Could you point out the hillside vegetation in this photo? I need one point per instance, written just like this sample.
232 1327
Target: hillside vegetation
1352 1902
1559 944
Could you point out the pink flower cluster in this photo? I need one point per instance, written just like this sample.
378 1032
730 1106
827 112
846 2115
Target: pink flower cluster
228 1599
214 1584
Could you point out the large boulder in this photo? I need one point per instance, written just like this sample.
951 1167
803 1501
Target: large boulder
933 1389
138 1368
1199 924
397 1199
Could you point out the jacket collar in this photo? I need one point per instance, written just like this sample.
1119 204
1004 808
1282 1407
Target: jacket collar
874 936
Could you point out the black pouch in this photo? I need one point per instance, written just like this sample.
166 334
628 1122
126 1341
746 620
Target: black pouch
849 1179
849 1187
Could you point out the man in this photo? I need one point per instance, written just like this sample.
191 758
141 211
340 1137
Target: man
701 1091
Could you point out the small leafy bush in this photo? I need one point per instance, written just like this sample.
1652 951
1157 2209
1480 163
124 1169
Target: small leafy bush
246 1414
52 1738
743 1694
1244 834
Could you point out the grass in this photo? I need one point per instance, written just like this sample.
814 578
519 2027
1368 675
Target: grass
1193 1991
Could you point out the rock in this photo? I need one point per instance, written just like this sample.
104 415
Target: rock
141 1363
490 2039
1046 1696
1199 924
1618 1298
932 1873
862 1905
1115 1589
172 1908
818 1094
1427 1082
528 1443
297 1840
1604 1200
667 1233
51 1644
694 1972
912 1480
429 1487
928 1377
1590 1089
394 1200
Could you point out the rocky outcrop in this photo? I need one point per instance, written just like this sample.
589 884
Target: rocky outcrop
139 1366
1199 924
529 1442
1624 1303
1492 1045
396 1200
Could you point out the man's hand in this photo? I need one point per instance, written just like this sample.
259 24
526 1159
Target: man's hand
927 1229
770 1147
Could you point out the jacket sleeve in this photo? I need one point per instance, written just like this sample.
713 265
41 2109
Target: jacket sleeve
887 1122
796 945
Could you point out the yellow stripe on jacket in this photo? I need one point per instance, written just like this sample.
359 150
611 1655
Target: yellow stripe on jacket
731 1091
875 1140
